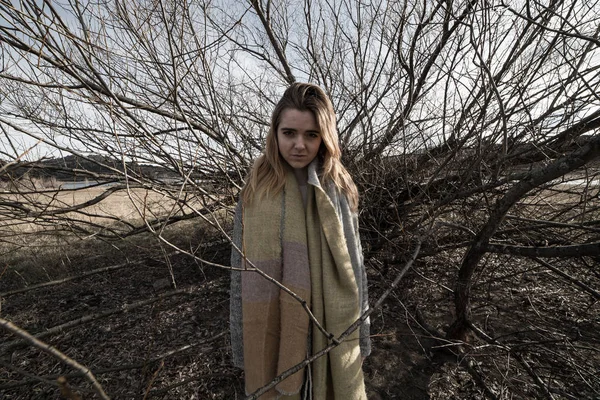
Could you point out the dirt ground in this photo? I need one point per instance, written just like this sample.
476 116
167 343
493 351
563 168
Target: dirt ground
149 339
122 349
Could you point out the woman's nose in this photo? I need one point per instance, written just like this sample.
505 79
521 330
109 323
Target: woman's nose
299 143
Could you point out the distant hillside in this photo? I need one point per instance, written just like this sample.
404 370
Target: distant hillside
72 168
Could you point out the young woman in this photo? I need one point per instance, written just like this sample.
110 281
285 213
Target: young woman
297 222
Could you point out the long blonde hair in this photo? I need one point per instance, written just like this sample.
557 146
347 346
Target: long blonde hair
267 176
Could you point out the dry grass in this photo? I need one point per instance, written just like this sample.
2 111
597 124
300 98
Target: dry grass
118 207
37 249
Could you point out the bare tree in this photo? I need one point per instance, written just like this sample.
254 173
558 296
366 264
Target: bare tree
472 126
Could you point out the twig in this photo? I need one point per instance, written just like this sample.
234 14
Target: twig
189 346
56 353
533 375
539 383
574 281
154 376
92 317
564 394
164 390
438 335
71 278
567 251
33 378
99 371
472 370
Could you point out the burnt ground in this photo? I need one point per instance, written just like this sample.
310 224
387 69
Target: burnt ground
175 346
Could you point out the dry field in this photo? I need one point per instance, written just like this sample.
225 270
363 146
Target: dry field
115 206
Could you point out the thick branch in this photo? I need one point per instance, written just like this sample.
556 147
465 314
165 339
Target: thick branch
536 178
278 50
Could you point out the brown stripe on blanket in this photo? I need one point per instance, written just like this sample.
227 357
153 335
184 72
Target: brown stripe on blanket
261 343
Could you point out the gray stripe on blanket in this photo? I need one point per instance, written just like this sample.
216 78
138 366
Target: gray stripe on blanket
256 288
297 270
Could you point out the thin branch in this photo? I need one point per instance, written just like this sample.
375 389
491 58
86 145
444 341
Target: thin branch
572 34
117 368
72 278
578 250
255 395
569 278
33 341
93 317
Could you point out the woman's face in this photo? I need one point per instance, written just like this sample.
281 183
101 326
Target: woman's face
298 137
